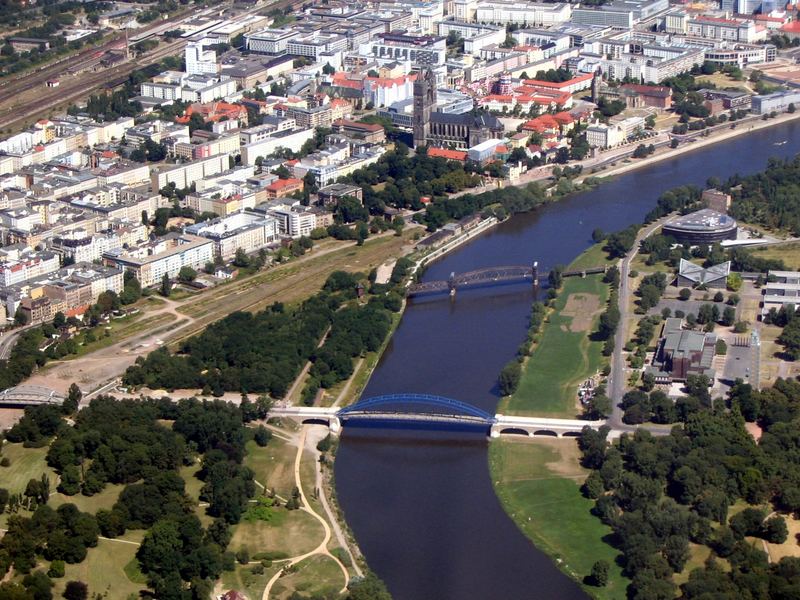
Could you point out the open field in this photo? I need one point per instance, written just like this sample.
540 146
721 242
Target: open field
106 570
538 483
273 465
290 532
789 253
564 356
90 504
291 282
592 257
26 464
317 575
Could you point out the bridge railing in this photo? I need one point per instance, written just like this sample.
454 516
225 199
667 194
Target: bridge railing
440 403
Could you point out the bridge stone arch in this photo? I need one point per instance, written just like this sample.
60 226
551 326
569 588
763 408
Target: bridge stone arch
545 433
514 431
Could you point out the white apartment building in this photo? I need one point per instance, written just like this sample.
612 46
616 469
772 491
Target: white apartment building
294 221
246 230
600 135
27 266
183 176
532 14
270 41
199 60
293 140
169 254
315 45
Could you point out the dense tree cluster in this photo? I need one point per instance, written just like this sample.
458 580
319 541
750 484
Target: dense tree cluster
63 534
261 352
126 442
661 494
770 198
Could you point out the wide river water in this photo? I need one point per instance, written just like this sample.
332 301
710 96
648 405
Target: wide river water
421 504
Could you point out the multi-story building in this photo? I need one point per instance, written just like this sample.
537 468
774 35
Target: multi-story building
293 140
199 59
294 221
24 264
270 41
315 45
776 102
331 194
246 230
419 50
150 262
183 176
533 14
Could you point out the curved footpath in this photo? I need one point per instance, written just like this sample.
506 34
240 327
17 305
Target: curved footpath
322 548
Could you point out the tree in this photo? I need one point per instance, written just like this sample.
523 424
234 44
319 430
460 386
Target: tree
76 590
262 436
72 400
368 588
187 274
728 316
241 259
59 320
685 294
166 286
509 377
774 530
20 317
599 574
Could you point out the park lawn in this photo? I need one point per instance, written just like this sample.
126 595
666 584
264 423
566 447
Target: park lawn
594 256
538 483
289 532
26 464
106 570
315 576
273 465
244 580
788 253
90 504
562 359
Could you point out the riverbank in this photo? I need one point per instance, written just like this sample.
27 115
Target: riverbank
698 143
564 355
538 484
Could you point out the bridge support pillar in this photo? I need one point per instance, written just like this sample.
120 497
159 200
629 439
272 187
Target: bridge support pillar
451 283
535 273
335 425
494 432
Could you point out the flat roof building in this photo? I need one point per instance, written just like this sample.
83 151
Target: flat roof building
704 226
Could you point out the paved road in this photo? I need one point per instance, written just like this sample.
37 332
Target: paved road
617 382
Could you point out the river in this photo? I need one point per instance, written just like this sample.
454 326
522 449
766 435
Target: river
421 504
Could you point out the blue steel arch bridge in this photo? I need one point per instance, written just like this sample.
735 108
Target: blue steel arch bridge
430 411
490 276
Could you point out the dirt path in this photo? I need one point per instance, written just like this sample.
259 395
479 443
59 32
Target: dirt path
322 548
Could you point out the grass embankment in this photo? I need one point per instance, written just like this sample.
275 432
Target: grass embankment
538 483
789 253
565 355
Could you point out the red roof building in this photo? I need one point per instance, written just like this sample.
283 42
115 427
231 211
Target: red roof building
448 154
284 187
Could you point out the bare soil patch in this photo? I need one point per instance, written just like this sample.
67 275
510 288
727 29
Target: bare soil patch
582 308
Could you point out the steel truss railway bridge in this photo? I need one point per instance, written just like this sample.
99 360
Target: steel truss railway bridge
427 411
489 276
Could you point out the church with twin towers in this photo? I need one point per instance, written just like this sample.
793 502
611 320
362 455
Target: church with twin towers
447 130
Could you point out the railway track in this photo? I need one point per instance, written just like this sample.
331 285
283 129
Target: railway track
79 87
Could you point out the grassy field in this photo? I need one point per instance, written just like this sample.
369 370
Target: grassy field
26 464
291 532
538 483
788 253
593 257
90 504
104 570
273 465
317 575
564 357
